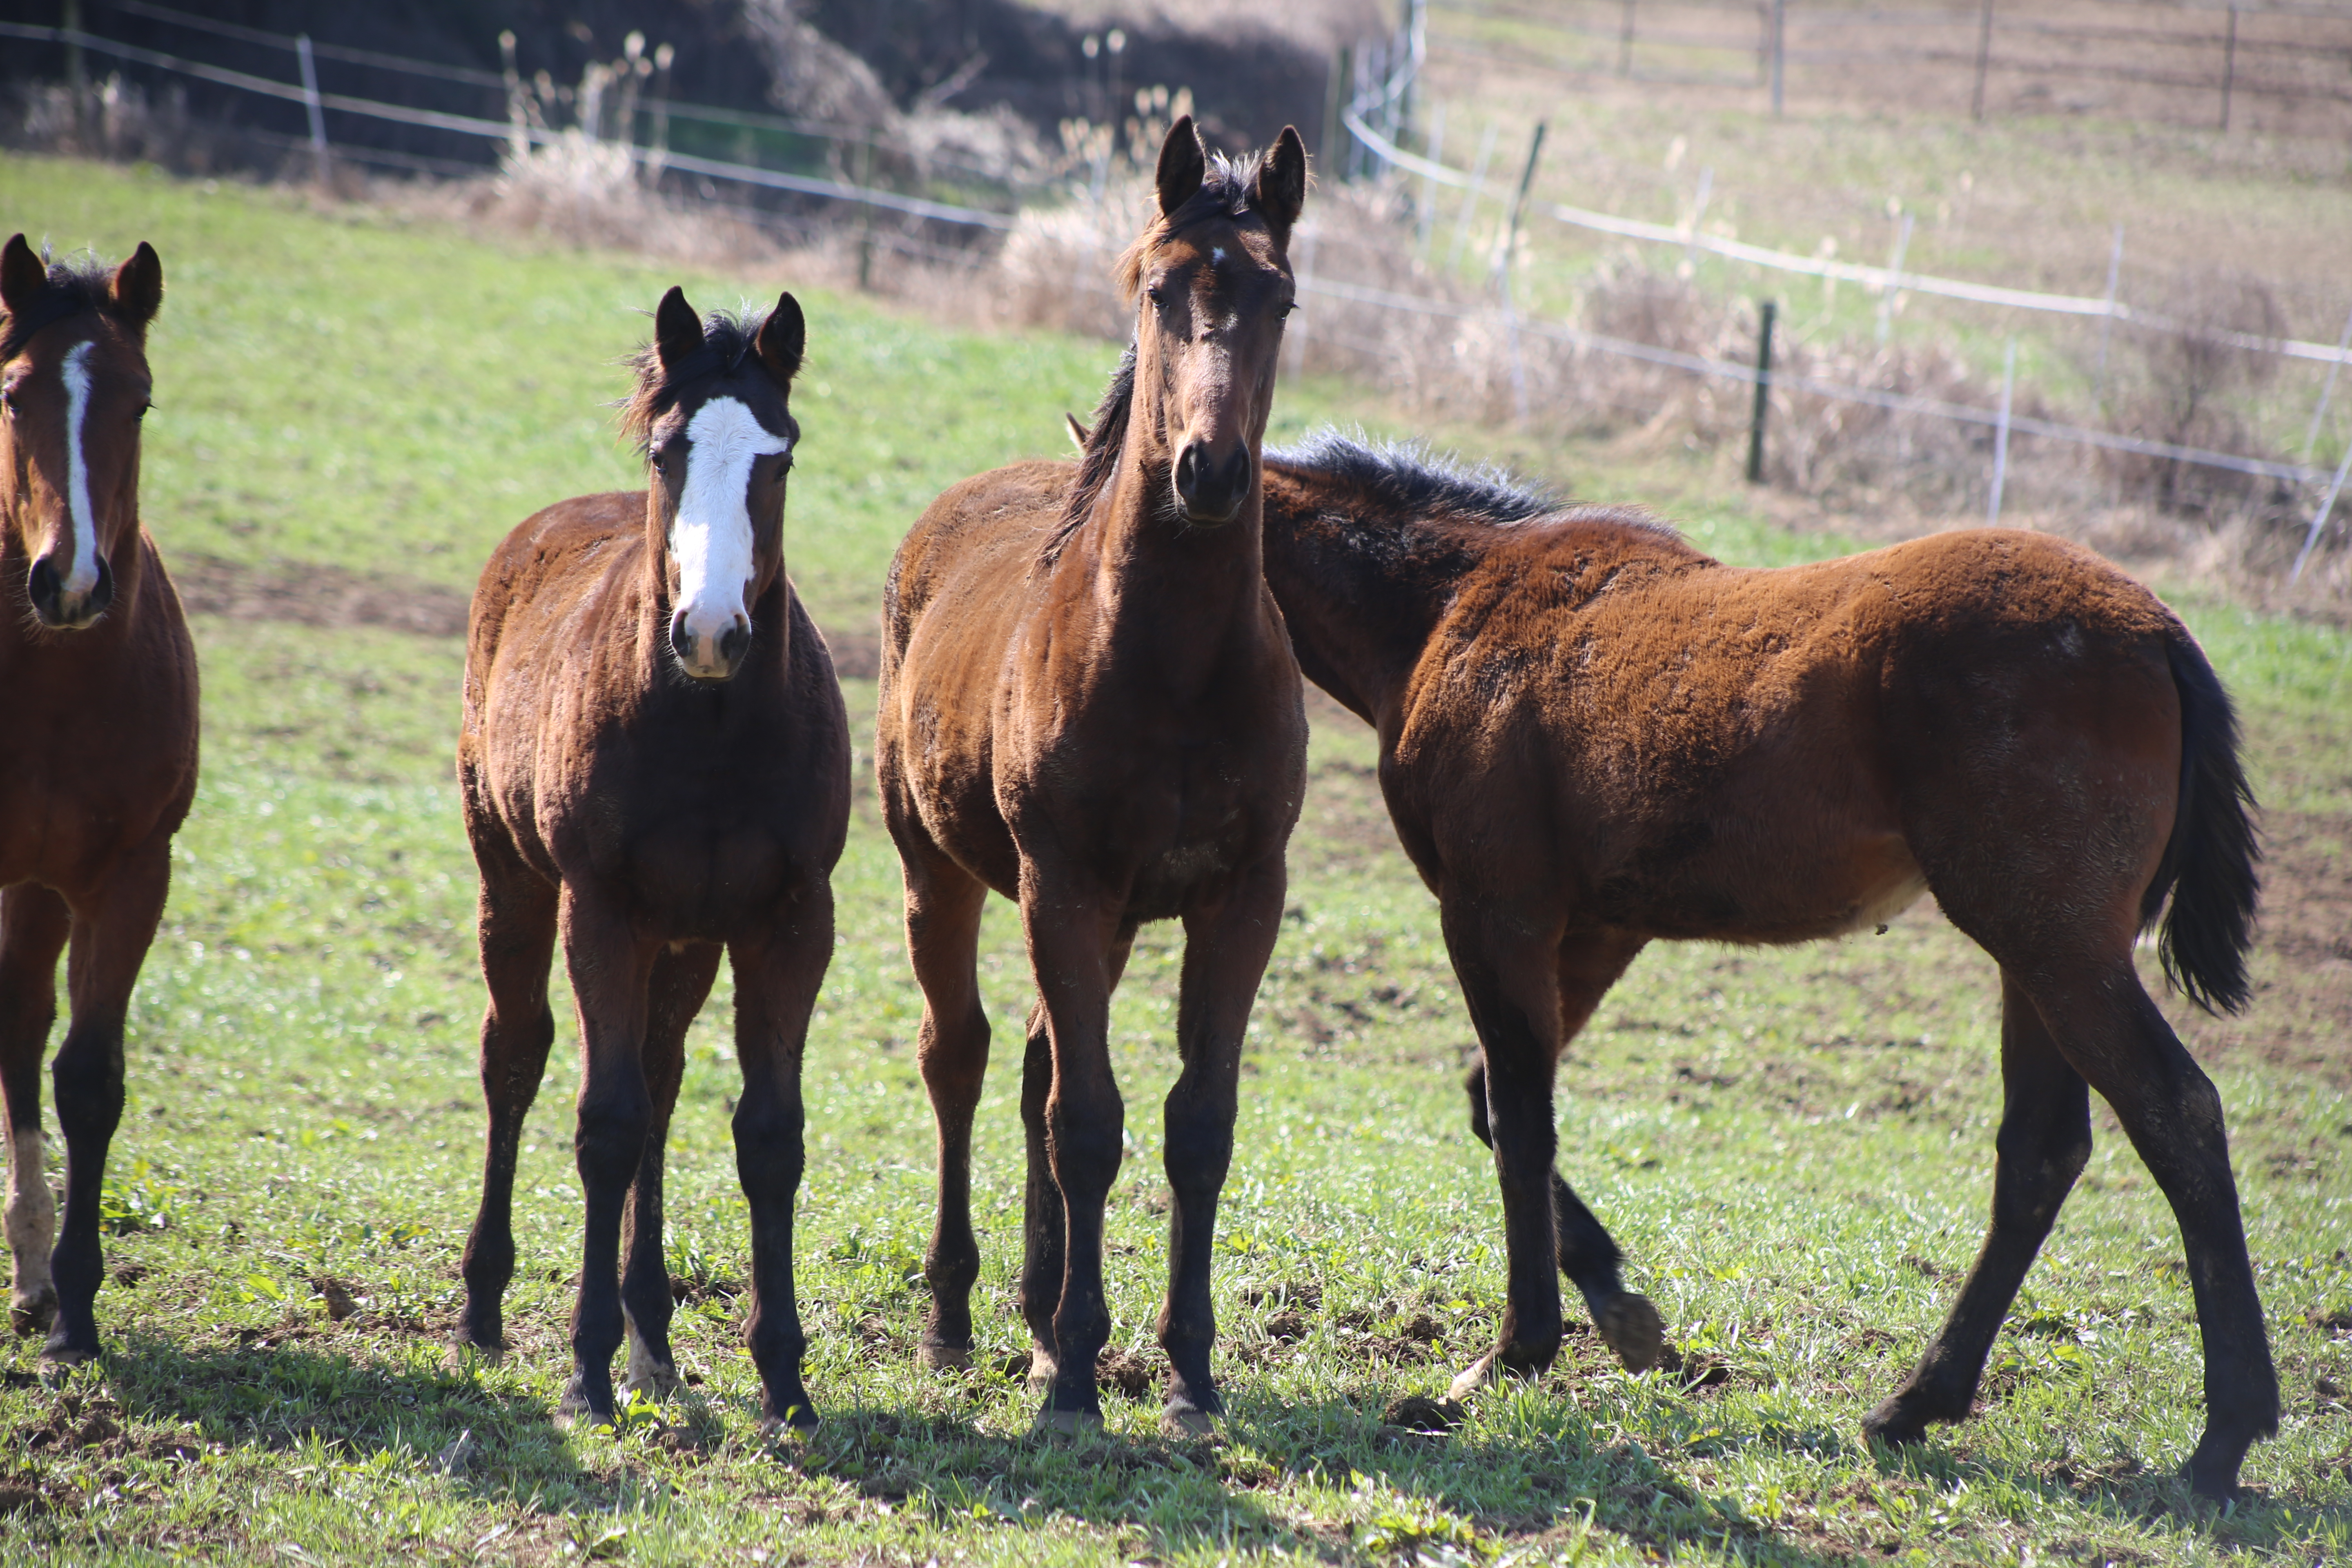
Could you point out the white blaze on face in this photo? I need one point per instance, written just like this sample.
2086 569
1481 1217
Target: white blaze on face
83 577
710 537
32 1215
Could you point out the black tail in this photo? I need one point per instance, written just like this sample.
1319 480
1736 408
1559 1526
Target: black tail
2208 866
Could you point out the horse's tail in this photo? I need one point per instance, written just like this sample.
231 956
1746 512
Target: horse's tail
2210 865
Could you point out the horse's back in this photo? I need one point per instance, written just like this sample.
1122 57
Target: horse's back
978 538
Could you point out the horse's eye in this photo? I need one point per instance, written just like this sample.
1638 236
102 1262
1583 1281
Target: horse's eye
1157 294
1288 306
143 410
660 463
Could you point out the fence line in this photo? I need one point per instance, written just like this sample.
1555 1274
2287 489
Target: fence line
1896 402
1389 151
504 130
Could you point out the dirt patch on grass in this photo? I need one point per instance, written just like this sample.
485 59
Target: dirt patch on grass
317 594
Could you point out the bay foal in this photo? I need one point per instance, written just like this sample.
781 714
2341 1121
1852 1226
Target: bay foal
1088 704
1593 737
97 745
655 766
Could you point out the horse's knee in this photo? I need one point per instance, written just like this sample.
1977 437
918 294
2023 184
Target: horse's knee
769 1137
86 1080
610 1139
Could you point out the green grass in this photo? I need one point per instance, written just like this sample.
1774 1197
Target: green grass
1793 1145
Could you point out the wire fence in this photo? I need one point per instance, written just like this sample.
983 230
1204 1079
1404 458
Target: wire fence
1372 121
2203 61
1376 113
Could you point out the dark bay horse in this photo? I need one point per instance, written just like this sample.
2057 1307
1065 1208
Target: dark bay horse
1089 704
1593 737
97 745
656 765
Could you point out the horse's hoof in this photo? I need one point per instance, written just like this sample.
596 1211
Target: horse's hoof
1187 1425
1072 1425
944 1358
33 1315
1043 1370
797 1421
1894 1424
59 1352
1478 1375
577 1412
1632 1327
465 1356
655 1383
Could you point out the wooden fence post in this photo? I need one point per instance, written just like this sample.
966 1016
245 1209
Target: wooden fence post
1763 395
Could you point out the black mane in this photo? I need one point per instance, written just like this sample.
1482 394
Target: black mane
1410 484
1410 479
727 339
82 283
1100 460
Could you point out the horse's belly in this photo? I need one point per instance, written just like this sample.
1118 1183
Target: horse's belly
706 885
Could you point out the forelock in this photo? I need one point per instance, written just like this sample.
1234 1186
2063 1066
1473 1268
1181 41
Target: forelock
75 284
1228 186
727 339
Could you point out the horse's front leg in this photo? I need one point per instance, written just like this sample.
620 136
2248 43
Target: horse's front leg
33 926
109 941
609 964
1225 951
1071 944
777 973
1629 1323
681 980
1508 978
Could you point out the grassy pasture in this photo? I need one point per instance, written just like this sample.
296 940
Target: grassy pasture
1793 1145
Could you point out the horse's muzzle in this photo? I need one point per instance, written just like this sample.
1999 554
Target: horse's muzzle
708 658
1212 488
58 608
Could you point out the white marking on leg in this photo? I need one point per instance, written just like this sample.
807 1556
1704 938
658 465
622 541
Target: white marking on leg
711 538
83 577
654 1378
32 1214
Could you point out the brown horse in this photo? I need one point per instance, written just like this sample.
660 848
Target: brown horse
1592 737
1089 704
98 744
656 764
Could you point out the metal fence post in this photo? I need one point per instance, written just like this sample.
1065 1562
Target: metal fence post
1780 50
311 106
1763 395
2107 321
2001 435
2327 391
1518 205
2229 67
1984 59
2319 518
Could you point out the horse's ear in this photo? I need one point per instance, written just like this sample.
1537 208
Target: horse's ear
139 287
1281 188
677 331
1182 161
22 275
782 336
1079 434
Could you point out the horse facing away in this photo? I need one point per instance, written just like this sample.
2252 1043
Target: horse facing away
1089 703
1592 736
97 745
655 764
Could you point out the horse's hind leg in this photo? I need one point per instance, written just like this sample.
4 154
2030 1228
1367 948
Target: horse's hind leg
33 925
1225 952
944 904
1045 1229
1589 1257
2117 1039
776 979
109 942
516 922
2044 1139
681 982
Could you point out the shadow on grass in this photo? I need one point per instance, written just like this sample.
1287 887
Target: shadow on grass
2127 1487
292 1396
1405 1492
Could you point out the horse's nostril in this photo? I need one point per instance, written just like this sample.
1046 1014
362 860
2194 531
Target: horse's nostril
681 640
733 641
43 585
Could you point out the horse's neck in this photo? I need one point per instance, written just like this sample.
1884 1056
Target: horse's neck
1359 617
1176 594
